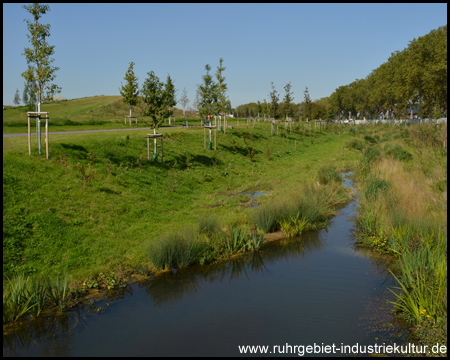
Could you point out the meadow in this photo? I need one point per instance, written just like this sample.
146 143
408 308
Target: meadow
98 209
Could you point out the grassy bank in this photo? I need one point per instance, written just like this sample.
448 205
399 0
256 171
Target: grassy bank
98 206
95 204
98 112
402 183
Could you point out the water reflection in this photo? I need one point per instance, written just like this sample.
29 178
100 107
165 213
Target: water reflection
52 330
317 287
172 286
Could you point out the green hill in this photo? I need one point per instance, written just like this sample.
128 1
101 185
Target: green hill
106 112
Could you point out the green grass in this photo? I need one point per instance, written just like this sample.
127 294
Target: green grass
97 202
97 112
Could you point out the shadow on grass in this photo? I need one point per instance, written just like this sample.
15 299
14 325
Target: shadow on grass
74 147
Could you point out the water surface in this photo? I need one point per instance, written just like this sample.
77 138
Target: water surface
315 289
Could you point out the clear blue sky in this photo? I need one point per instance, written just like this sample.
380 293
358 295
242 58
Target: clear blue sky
321 46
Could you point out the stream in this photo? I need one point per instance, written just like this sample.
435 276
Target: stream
317 289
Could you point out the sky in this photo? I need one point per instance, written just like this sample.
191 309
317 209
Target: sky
319 46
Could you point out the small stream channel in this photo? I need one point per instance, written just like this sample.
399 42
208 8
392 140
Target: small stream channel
318 289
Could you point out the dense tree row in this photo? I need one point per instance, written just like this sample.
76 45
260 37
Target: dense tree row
415 78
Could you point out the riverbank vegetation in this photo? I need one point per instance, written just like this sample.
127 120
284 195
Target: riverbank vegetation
98 206
402 184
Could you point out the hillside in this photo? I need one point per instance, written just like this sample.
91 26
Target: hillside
107 111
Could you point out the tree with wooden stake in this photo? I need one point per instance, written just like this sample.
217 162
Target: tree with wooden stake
153 95
207 94
130 90
221 89
40 70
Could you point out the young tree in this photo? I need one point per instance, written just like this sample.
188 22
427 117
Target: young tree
153 95
207 94
169 98
308 104
184 101
25 95
221 89
196 102
265 107
29 94
130 90
16 97
274 102
38 57
288 101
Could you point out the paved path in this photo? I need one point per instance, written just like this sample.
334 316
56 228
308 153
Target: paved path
86 131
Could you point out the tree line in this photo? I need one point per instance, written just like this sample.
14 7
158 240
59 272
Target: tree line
415 78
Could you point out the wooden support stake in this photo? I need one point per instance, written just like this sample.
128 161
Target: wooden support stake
29 136
162 159
148 147
46 136
215 137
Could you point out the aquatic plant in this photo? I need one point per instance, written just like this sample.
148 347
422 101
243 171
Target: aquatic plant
16 298
293 225
237 239
38 297
255 241
56 288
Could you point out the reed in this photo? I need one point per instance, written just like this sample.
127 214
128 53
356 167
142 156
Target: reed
293 225
56 288
38 297
255 241
177 248
16 298
238 238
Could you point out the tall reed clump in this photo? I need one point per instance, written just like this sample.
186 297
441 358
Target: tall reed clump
178 248
308 207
